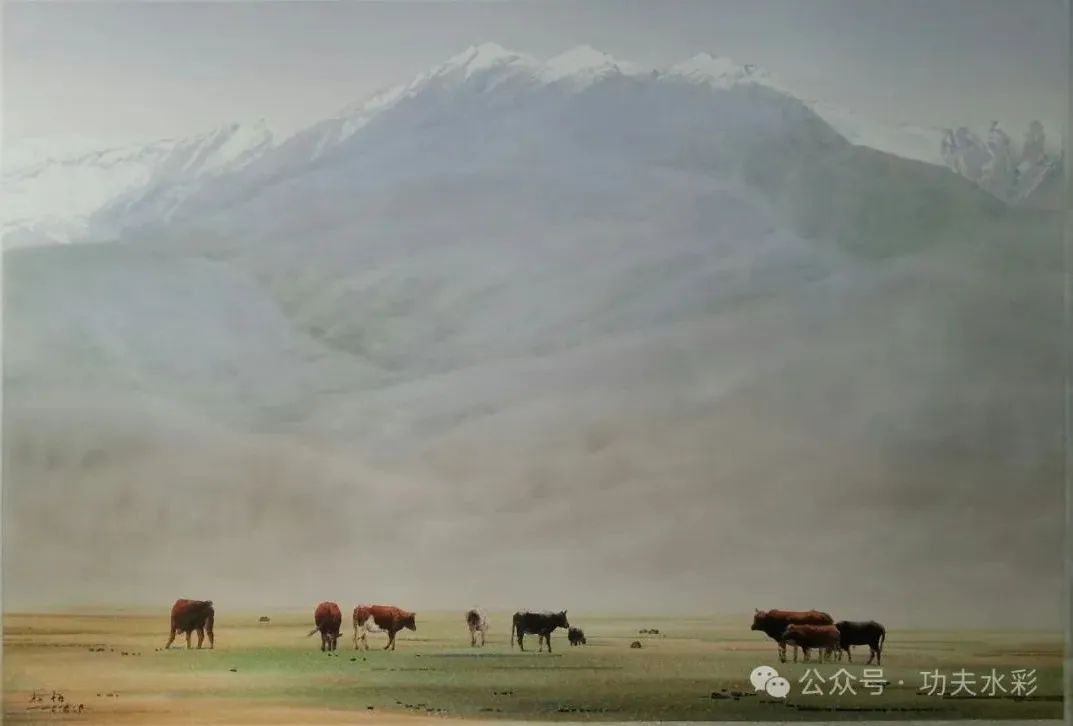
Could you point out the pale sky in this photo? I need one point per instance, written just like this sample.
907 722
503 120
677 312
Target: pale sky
122 72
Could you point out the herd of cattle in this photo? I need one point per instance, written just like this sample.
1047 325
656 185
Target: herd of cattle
808 630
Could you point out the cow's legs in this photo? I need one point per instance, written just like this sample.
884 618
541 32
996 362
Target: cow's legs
200 636
781 648
548 638
171 638
472 638
188 634
390 640
208 631
520 636
482 637
873 652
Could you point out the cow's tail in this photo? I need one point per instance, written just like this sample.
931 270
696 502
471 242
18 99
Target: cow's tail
312 631
513 627
882 639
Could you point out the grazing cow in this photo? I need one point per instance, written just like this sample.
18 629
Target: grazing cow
773 623
263 619
190 615
387 618
862 632
824 637
541 624
576 636
327 619
478 623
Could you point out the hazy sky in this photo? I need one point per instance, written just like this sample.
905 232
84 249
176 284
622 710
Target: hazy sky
134 71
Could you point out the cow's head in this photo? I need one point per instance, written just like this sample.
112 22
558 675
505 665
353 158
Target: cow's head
561 621
410 622
758 620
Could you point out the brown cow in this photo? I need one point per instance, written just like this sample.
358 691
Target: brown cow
825 637
328 619
774 622
190 615
386 617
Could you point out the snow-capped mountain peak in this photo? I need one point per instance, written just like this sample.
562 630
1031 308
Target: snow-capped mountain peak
1026 174
720 71
487 55
584 64
480 58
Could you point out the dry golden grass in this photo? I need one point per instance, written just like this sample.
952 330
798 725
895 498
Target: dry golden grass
115 667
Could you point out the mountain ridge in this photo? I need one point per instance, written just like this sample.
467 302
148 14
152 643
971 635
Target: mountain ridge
49 203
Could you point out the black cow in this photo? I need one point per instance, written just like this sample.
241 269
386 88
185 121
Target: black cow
576 636
862 632
542 624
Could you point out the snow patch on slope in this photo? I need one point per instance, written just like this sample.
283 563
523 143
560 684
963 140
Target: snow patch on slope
58 198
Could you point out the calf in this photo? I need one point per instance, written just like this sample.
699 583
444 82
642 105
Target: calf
576 636
190 615
388 618
328 620
542 624
478 623
824 637
862 632
773 623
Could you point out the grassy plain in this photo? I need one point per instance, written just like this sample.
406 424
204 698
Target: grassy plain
696 669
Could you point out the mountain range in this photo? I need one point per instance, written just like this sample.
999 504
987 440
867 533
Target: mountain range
99 195
536 333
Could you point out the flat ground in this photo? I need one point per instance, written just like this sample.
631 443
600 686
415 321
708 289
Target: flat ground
696 669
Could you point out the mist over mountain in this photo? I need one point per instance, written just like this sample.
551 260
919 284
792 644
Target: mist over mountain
565 334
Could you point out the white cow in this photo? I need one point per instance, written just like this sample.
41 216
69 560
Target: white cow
477 622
